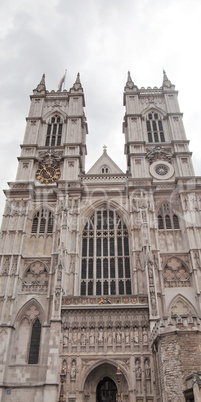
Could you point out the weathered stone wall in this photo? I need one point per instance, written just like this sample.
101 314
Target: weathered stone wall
178 355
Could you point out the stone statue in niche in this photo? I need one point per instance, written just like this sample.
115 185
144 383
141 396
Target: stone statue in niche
155 261
144 336
74 339
73 370
83 337
197 260
150 272
92 338
153 303
127 337
118 336
100 336
147 370
138 376
134 204
136 336
110 338
57 298
65 338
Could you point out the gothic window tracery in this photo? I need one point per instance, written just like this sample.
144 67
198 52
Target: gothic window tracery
176 274
155 131
166 219
35 278
54 132
42 222
105 266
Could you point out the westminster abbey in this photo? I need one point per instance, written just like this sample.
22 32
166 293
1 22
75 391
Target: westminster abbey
100 272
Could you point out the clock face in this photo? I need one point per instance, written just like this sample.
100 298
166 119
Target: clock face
48 174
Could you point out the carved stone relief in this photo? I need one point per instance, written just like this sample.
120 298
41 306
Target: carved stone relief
15 208
50 156
180 306
176 274
95 334
35 278
159 153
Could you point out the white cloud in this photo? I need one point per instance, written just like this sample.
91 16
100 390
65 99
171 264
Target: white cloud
102 39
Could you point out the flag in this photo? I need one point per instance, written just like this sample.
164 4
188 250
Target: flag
62 80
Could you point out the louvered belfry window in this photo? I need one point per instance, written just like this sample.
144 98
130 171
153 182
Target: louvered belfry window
105 268
54 132
155 130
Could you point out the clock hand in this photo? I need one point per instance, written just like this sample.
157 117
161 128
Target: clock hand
48 173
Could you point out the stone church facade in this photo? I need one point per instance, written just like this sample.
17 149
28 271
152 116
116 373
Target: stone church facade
101 271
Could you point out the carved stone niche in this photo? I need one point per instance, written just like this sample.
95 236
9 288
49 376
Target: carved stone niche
35 278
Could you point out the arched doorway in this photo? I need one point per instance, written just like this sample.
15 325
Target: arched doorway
101 382
106 390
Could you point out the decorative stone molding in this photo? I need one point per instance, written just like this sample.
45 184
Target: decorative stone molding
99 301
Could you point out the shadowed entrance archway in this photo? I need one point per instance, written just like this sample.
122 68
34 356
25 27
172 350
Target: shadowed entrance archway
101 382
106 390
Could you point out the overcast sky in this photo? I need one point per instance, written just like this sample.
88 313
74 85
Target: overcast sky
102 39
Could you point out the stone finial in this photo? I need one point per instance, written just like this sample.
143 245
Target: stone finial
166 82
129 77
130 84
41 86
77 86
78 78
105 149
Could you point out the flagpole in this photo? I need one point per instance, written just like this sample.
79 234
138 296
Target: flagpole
65 80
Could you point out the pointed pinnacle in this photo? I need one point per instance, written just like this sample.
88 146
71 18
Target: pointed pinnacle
78 78
165 75
129 76
42 82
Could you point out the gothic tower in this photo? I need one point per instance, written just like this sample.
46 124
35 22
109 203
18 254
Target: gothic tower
101 271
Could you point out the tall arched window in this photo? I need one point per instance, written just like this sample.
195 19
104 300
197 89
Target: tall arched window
35 343
105 255
166 219
54 132
43 221
155 130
